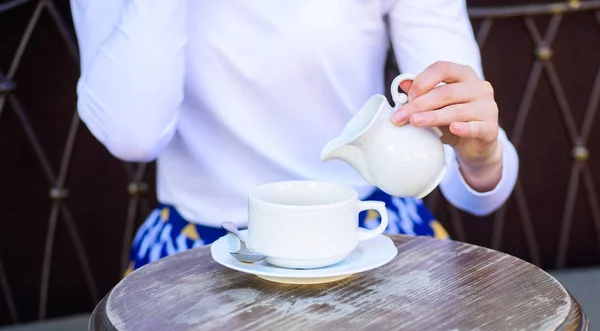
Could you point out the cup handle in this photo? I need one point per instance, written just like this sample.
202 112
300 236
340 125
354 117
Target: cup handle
380 208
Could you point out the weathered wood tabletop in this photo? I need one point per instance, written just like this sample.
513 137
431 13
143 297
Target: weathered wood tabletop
431 285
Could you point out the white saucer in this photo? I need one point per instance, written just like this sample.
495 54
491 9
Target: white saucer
369 254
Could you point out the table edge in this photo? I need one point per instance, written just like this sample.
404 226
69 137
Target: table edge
99 320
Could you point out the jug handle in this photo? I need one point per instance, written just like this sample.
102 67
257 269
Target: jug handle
400 99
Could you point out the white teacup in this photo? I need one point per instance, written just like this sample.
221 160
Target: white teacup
307 224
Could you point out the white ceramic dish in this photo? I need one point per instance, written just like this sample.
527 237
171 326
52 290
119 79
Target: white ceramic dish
405 161
308 224
369 254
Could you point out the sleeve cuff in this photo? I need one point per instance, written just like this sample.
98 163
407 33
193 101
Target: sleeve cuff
456 190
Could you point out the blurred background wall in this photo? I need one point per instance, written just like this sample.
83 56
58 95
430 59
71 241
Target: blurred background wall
61 193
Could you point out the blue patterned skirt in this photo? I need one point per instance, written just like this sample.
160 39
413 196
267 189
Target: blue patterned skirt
165 232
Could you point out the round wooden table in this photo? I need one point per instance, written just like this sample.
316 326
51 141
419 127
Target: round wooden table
431 285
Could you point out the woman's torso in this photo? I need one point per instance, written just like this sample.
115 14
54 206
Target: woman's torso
267 85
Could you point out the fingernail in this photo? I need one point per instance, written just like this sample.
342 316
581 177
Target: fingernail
399 117
458 128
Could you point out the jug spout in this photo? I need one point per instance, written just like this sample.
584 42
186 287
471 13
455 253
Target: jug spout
348 152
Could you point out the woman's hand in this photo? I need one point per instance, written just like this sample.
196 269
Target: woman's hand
465 111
